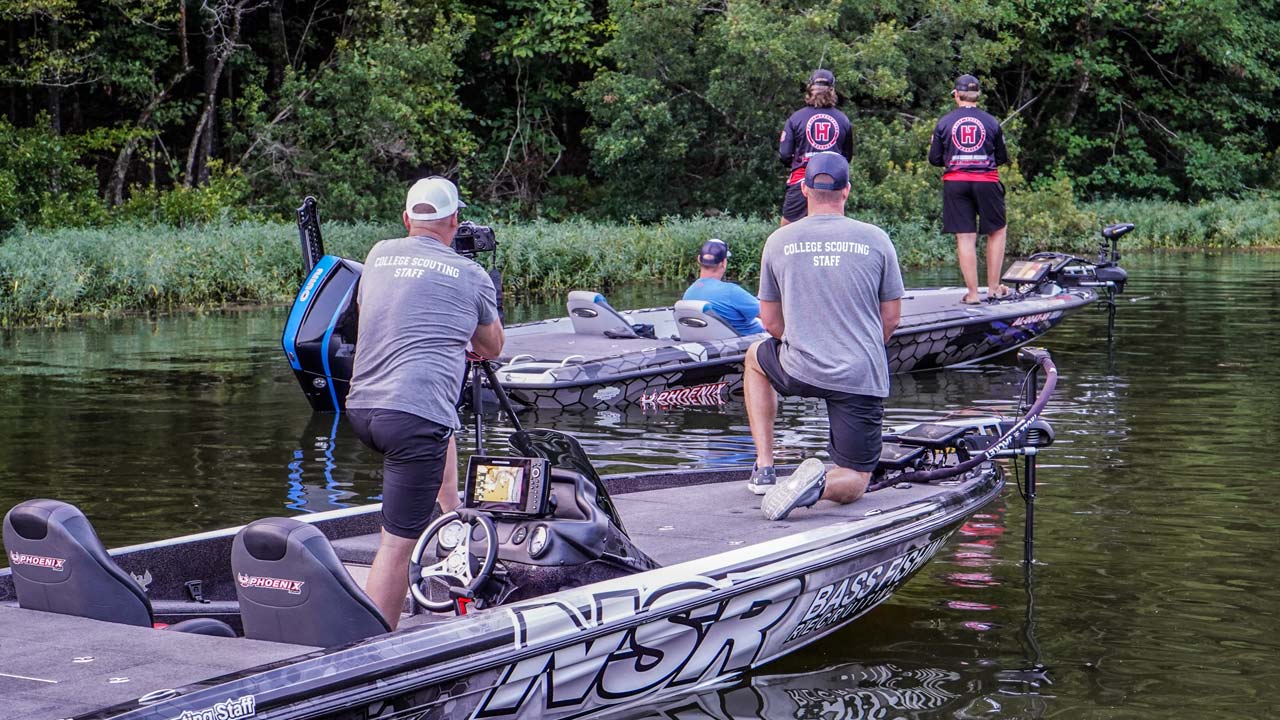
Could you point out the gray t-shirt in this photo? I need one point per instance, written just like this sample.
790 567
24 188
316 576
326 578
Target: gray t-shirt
831 273
420 303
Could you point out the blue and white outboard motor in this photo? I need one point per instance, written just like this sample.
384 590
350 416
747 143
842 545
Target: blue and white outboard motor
320 338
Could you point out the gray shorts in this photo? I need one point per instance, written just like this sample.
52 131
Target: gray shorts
856 421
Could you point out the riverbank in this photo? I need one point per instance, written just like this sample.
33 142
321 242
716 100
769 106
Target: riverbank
47 276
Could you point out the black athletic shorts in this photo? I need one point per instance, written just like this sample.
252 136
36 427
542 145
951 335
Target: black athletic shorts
414 451
856 420
962 200
794 204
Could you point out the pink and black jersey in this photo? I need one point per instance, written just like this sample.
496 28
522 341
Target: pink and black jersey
812 130
969 144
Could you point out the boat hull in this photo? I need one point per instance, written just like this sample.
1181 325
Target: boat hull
614 644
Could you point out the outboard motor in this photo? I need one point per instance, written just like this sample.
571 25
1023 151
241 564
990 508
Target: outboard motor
320 338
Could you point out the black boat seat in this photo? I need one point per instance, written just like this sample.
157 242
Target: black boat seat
1114 232
59 565
591 314
697 322
294 589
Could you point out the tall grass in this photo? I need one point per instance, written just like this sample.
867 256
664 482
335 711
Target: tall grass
46 276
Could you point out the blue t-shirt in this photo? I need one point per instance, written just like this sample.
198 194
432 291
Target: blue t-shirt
737 306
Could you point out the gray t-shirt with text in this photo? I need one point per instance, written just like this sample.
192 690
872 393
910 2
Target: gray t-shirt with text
831 273
420 303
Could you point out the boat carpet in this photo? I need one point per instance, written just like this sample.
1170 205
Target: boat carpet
678 524
556 346
55 666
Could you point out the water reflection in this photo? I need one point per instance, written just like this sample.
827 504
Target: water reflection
859 691
1158 512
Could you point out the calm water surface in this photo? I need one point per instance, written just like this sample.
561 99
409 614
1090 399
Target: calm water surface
1155 592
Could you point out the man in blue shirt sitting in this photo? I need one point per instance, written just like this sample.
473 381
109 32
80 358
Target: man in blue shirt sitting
738 307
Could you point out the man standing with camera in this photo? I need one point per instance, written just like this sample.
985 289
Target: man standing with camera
420 305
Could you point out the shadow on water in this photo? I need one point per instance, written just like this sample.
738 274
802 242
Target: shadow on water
1157 515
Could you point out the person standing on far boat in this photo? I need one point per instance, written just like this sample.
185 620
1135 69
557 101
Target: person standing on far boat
420 305
830 295
816 127
738 307
969 144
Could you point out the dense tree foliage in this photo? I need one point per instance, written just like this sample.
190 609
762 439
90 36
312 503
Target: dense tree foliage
183 110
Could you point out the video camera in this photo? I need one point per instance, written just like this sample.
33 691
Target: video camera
469 241
472 239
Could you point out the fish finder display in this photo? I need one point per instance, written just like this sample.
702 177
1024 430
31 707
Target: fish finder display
1025 272
507 485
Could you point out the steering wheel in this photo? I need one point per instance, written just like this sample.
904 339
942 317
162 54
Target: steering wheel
460 566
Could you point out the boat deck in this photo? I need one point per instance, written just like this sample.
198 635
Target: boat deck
56 666
678 524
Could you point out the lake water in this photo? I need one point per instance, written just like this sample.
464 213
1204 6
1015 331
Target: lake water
1155 591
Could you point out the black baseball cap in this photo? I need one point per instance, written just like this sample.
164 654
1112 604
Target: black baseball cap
827 163
822 77
967 83
713 252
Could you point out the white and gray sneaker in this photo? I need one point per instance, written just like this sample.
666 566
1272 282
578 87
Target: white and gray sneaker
801 488
762 479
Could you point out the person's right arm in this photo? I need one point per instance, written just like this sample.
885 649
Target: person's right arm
1001 152
890 315
488 338
891 291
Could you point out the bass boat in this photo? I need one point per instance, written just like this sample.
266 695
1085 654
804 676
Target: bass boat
685 355
534 599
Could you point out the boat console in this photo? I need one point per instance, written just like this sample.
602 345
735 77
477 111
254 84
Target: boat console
529 524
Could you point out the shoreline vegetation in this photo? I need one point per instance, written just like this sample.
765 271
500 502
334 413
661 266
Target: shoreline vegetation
49 276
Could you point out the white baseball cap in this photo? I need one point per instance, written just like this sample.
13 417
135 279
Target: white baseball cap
440 195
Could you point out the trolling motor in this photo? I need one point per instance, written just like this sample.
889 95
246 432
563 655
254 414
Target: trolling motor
930 452
1104 272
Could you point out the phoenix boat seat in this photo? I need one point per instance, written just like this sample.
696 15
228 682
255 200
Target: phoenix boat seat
591 314
59 565
1113 232
697 322
293 588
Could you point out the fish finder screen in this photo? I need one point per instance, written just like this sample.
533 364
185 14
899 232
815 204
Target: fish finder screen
507 485
1026 271
498 484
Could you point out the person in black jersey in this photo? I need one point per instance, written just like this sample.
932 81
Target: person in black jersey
816 127
969 145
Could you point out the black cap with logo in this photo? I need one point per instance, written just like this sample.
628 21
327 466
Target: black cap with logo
822 77
967 83
827 163
713 252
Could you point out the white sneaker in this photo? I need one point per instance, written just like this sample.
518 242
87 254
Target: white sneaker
801 488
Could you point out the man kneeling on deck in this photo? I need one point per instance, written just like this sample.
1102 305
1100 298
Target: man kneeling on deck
830 295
